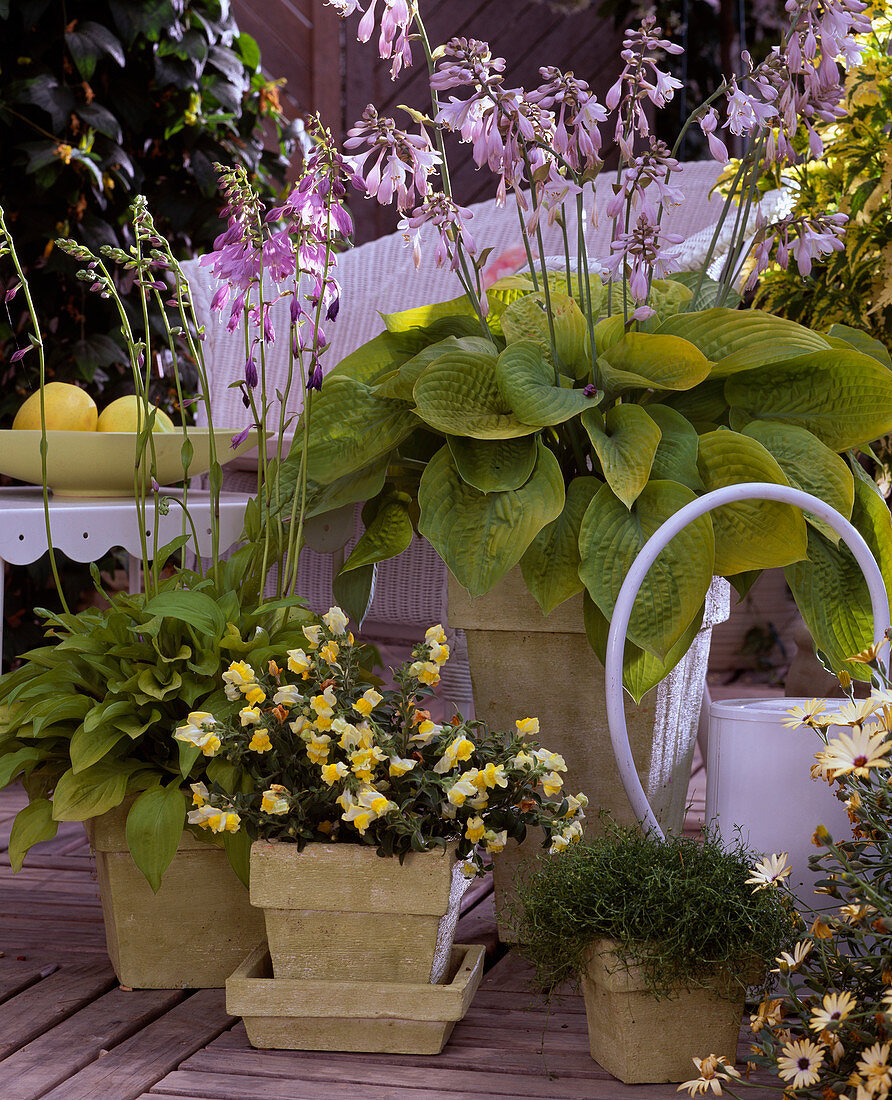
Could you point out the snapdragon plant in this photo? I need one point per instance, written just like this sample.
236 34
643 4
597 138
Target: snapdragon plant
555 418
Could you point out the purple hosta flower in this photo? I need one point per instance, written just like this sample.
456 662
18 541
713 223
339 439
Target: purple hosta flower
576 135
314 381
11 293
553 191
640 79
805 238
20 354
652 169
403 163
590 390
449 220
396 19
466 61
239 438
708 123
251 372
641 256
278 256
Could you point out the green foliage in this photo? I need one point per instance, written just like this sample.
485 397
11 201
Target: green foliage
88 720
679 908
854 175
483 436
101 100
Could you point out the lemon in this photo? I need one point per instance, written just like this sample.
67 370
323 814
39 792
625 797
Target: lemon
68 409
127 413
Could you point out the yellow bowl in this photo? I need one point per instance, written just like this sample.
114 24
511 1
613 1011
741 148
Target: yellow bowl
102 464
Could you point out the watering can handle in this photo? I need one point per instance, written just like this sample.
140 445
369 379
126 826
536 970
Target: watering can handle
616 638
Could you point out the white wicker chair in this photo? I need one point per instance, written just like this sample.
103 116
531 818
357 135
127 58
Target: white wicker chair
410 591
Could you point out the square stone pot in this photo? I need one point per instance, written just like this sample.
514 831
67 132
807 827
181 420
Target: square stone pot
192 933
340 912
642 1039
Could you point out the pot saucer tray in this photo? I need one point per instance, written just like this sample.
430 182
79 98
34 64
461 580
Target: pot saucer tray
397 1017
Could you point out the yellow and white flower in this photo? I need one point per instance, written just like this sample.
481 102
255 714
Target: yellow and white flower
299 662
834 1009
275 799
425 732
874 1068
364 761
439 653
250 716
475 829
435 635
323 705
301 725
570 834
425 671
465 788
787 962
456 751
330 652
713 1070
331 773
769 1014
313 634
199 731
218 821
769 871
367 702
260 742
552 761
576 803
200 794
551 784
800 1063
399 765
799 716
335 620
238 678
288 695
495 842
319 748
524 761
856 753
527 727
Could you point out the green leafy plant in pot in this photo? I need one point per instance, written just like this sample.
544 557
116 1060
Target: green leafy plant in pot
87 720
664 936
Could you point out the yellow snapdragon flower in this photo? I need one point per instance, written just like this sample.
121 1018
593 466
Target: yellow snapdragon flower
199 731
218 821
275 799
553 761
493 775
331 773
527 727
301 725
475 829
367 702
552 783
288 695
260 742
524 761
426 731
457 750
364 761
330 652
439 653
435 635
495 842
425 671
399 765
200 794
324 704
463 789
313 634
299 662
237 677
318 748
255 694
250 716
335 620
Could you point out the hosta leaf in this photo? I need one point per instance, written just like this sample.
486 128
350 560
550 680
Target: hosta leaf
353 591
676 457
704 406
829 588
363 484
401 382
425 315
154 827
625 442
669 296
675 587
550 565
388 534
350 427
88 747
842 397
808 465
32 825
741 339
860 341
494 465
526 382
378 356
481 536
458 395
501 294
641 670
527 319
643 360
13 764
708 291
91 792
608 331
197 608
752 534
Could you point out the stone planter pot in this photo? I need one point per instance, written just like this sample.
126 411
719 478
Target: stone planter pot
641 1039
339 912
192 933
526 664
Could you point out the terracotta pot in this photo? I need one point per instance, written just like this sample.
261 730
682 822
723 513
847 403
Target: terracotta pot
192 933
642 1039
526 664
339 912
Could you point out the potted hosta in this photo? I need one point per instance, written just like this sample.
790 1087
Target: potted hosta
87 720
664 937
340 775
538 430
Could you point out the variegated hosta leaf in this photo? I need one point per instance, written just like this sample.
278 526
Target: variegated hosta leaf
400 383
527 319
550 565
829 588
608 331
674 589
808 465
741 339
753 534
526 382
643 360
842 397
501 294
676 457
641 670
350 427
388 534
859 340
481 536
625 443
380 355
426 315
494 465
458 395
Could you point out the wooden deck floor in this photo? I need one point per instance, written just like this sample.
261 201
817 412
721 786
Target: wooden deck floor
69 1032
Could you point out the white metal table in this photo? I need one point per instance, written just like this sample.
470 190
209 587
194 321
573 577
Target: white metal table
85 528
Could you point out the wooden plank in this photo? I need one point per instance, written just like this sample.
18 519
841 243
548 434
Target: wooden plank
38 1008
16 976
325 68
61 1052
136 1064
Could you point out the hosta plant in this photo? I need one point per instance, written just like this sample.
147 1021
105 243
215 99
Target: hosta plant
555 419
324 757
